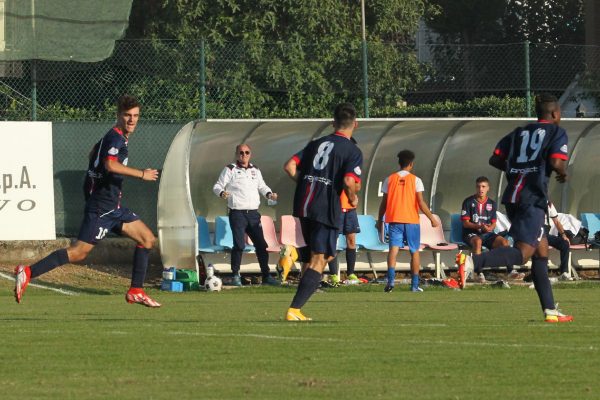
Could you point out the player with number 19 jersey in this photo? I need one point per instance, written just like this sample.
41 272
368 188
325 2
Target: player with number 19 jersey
527 151
323 165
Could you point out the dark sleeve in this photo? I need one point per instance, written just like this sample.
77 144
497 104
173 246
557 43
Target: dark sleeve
503 147
298 158
559 146
464 212
111 146
493 216
353 165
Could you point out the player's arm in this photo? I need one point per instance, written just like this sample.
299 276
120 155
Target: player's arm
560 167
467 224
291 166
350 185
498 159
423 206
381 213
115 167
489 227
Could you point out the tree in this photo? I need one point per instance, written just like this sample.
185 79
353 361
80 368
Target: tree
544 21
288 57
467 21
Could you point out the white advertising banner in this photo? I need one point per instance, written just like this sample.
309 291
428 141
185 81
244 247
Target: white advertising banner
26 181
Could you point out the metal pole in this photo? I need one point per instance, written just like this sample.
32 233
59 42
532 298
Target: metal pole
365 63
33 66
202 80
33 90
527 80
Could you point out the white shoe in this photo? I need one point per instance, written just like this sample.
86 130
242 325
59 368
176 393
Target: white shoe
565 277
516 275
554 316
481 278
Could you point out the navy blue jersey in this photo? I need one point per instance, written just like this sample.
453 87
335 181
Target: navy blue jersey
102 189
527 151
481 213
322 166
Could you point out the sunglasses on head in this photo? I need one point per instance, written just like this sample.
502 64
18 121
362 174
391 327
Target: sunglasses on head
244 152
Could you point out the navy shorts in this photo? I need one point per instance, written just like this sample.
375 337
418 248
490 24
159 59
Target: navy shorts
319 238
527 223
487 238
348 222
95 226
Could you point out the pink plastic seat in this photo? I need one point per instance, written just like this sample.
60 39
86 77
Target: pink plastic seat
290 231
268 226
433 239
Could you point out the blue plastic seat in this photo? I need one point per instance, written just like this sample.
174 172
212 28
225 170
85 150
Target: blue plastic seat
368 237
224 235
456 230
592 222
204 242
341 242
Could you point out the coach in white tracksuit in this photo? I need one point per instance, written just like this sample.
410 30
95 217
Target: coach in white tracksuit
240 184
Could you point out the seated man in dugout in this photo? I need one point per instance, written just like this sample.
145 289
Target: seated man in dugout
478 217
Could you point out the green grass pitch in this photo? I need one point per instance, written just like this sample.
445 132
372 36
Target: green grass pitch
481 343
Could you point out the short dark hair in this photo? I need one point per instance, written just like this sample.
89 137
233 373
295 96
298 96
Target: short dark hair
126 102
405 157
545 103
344 115
482 179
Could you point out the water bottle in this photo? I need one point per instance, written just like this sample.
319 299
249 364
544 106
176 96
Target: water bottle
169 274
210 270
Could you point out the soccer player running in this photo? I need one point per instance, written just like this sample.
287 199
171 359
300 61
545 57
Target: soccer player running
103 210
528 155
327 167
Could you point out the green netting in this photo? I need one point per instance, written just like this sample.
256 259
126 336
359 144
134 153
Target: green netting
62 30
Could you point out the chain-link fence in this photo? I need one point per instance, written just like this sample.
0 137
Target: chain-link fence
183 81
178 82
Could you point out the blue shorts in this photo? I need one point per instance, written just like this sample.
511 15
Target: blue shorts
405 233
348 222
95 226
527 223
319 238
487 238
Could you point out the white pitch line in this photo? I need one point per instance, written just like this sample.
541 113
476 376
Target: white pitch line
426 342
508 345
37 285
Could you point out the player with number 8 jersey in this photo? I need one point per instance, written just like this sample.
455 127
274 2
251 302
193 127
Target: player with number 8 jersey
326 167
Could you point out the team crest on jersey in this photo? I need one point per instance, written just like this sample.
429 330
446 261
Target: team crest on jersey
488 207
463 212
113 151
125 161
564 148
357 171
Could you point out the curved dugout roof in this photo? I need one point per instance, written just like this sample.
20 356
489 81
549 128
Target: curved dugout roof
450 155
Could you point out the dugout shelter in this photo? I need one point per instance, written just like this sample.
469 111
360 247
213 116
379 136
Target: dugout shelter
450 155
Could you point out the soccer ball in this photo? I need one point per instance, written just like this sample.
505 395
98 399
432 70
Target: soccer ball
213 284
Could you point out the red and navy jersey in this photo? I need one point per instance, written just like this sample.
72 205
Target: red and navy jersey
102 189
322 167
527 151
481 213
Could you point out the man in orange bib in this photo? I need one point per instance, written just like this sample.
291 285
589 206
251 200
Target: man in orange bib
401 202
